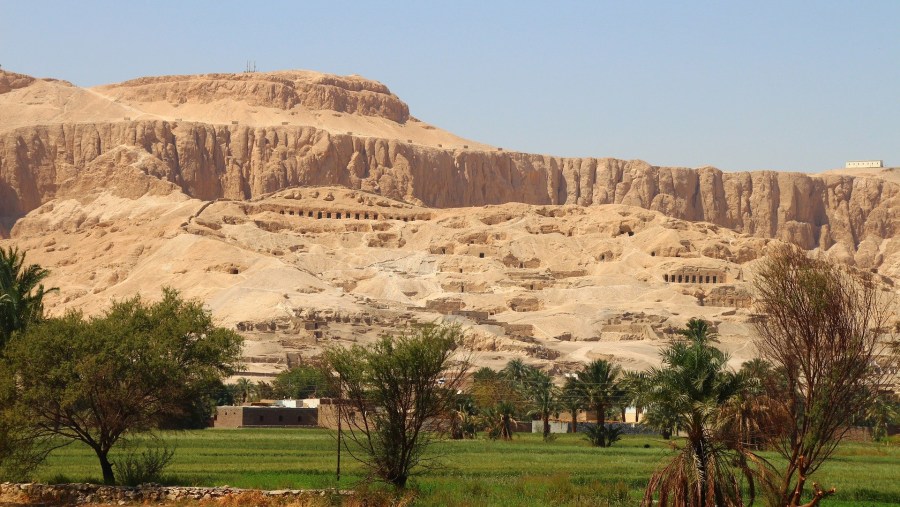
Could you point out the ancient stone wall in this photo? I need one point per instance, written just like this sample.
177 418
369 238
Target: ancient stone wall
79 494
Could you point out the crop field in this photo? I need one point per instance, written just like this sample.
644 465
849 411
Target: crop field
526 471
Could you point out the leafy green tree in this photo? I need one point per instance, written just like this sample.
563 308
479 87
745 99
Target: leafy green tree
97 380
694 384
598 387
398 392
884 411
22 447
501 397
21 293
300 382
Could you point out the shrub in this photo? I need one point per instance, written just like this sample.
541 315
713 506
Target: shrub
135 468
603 436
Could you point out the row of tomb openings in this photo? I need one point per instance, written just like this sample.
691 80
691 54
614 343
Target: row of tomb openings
345 215
693 278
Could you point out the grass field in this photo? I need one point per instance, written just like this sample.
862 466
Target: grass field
526 471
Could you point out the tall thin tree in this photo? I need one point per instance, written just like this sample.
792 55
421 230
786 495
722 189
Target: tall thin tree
823 331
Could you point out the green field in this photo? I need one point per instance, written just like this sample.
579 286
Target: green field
526 471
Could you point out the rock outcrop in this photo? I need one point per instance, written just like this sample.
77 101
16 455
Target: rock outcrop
10 81
281 90
239 162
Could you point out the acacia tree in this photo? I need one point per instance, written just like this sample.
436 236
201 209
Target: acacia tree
96 380
398 393
822 331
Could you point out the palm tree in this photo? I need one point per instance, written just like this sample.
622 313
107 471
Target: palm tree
544 396
571 401
499 420
751 410
516 370
636 388
245 389
598 386
694 384
697 330
21 293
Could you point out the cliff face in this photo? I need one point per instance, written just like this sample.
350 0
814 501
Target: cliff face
239 162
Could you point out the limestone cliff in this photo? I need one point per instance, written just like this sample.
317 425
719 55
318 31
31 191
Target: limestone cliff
238 162
255 133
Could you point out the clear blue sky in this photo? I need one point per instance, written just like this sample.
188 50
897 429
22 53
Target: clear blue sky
783 85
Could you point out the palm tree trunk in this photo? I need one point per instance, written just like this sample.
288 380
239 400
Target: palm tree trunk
574 421
601 420
546 418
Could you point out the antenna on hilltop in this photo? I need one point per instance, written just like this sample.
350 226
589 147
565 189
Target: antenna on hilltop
251 66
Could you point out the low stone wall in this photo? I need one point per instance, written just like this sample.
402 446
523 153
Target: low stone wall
79 494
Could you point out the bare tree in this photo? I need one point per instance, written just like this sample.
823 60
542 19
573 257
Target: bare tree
398 394
822 331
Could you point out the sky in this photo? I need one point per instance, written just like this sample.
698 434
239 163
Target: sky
783 85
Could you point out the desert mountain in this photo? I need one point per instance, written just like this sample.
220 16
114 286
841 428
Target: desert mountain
307 209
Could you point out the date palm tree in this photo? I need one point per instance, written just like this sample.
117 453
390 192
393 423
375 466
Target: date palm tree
543 395
694 385
571 401
598 386
21 293
635 387
245 389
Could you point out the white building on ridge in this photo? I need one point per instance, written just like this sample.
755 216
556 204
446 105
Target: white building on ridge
856 164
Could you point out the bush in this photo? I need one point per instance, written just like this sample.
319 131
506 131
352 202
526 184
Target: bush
136 468
603 436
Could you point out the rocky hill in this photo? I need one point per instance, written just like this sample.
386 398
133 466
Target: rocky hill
204 183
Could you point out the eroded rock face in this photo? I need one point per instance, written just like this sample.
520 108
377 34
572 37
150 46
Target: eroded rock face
240 162
282 90
10 81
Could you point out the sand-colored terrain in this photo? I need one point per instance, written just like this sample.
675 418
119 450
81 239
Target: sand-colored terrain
308 210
